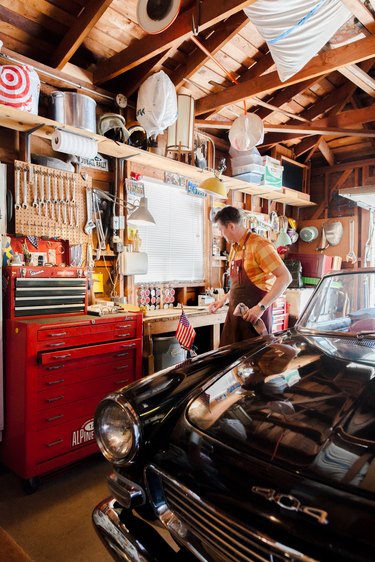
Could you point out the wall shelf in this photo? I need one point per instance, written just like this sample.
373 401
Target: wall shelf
22 121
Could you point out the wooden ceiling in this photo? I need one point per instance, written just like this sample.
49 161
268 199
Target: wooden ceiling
325 112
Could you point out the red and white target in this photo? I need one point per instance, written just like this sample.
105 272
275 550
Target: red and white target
19 87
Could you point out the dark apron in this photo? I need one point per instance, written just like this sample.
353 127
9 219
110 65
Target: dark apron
242 289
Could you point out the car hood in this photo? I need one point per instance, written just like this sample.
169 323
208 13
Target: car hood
298 406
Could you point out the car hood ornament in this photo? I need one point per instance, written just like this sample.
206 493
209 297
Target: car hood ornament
291 503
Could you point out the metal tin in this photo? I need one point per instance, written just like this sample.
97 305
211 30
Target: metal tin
74 109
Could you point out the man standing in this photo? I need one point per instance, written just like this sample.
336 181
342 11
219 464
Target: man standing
258 277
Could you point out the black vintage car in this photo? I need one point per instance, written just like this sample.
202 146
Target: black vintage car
263 450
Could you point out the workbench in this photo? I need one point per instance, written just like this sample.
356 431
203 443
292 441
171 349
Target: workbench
165 321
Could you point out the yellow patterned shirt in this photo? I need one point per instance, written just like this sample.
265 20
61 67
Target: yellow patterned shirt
260 260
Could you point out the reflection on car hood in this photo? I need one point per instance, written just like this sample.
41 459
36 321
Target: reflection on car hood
296 405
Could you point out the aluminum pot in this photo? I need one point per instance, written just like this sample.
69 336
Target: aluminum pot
74 109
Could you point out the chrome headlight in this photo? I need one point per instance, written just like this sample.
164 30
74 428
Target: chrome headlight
117 429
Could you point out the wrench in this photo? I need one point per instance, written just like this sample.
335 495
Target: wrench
48 200
90 225
74 191
76 215
67 195
24 202
55 194
35 189
17 204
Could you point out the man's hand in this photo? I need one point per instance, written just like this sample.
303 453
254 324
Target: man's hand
252 314
214 306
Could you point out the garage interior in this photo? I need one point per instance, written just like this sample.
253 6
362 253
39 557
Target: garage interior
317 124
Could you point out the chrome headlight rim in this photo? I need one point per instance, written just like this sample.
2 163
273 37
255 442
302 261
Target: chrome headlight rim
128 411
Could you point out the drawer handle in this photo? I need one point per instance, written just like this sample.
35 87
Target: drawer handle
55 417
62 356
127 345
121 382
57 344
124 354
55 382
126 335
124 326
53 443
54 367
57 335
122 367
55 399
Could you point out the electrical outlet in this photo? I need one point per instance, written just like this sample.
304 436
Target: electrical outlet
118 223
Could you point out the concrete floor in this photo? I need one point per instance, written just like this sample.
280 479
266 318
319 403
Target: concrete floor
54 524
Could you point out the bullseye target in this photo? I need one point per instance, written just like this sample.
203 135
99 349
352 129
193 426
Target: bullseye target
18 87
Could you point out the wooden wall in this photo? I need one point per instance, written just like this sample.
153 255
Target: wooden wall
325 185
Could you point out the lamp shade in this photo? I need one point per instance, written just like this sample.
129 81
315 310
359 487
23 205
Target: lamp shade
181 133
142 215
214 186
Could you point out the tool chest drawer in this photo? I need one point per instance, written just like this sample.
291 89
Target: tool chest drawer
69 373
59 395
83 353
57 371
59 439
85 335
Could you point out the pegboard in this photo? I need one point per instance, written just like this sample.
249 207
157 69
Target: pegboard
50 202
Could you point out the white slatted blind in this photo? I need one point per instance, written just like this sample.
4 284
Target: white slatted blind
175 245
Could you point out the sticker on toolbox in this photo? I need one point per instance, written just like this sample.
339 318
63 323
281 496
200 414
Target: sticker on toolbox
84 433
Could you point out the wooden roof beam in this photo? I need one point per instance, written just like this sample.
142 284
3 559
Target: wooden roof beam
143 49
222 35
321 64
363 14
326 151
302 130
360 78
86 20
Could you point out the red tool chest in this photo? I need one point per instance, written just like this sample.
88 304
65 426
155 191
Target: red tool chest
57 370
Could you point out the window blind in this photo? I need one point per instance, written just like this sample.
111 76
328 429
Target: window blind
175 245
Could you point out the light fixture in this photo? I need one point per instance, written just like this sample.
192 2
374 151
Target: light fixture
215 186
181 133
141 215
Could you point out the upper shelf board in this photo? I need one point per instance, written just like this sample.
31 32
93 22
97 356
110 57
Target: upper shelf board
17 120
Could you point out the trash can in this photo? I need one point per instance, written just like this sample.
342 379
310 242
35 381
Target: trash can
167 352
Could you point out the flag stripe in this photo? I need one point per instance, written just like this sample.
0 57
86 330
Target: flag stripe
185 332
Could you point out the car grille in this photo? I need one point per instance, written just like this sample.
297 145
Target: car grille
196 522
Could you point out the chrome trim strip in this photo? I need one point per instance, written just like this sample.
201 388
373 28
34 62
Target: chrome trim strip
191 519
127 493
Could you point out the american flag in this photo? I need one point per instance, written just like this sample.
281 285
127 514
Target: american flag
185 333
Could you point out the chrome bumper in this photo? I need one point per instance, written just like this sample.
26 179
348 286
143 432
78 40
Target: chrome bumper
129 538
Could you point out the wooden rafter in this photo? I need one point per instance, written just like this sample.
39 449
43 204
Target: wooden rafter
139 51
360 78
69 44
362 13
222 35
327 152
301 130
319 65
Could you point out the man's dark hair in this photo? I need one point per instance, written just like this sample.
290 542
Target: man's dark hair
228 214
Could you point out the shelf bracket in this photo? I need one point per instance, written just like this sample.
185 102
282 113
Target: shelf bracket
25 145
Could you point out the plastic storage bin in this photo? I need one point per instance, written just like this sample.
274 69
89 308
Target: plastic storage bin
237 170
167 352
250 177
246 159
313 265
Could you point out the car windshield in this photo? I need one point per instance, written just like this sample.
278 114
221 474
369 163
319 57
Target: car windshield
343 302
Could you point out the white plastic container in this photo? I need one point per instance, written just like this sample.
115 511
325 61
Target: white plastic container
250 177
236 170
246 159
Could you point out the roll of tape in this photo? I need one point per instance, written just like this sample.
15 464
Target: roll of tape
64 141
